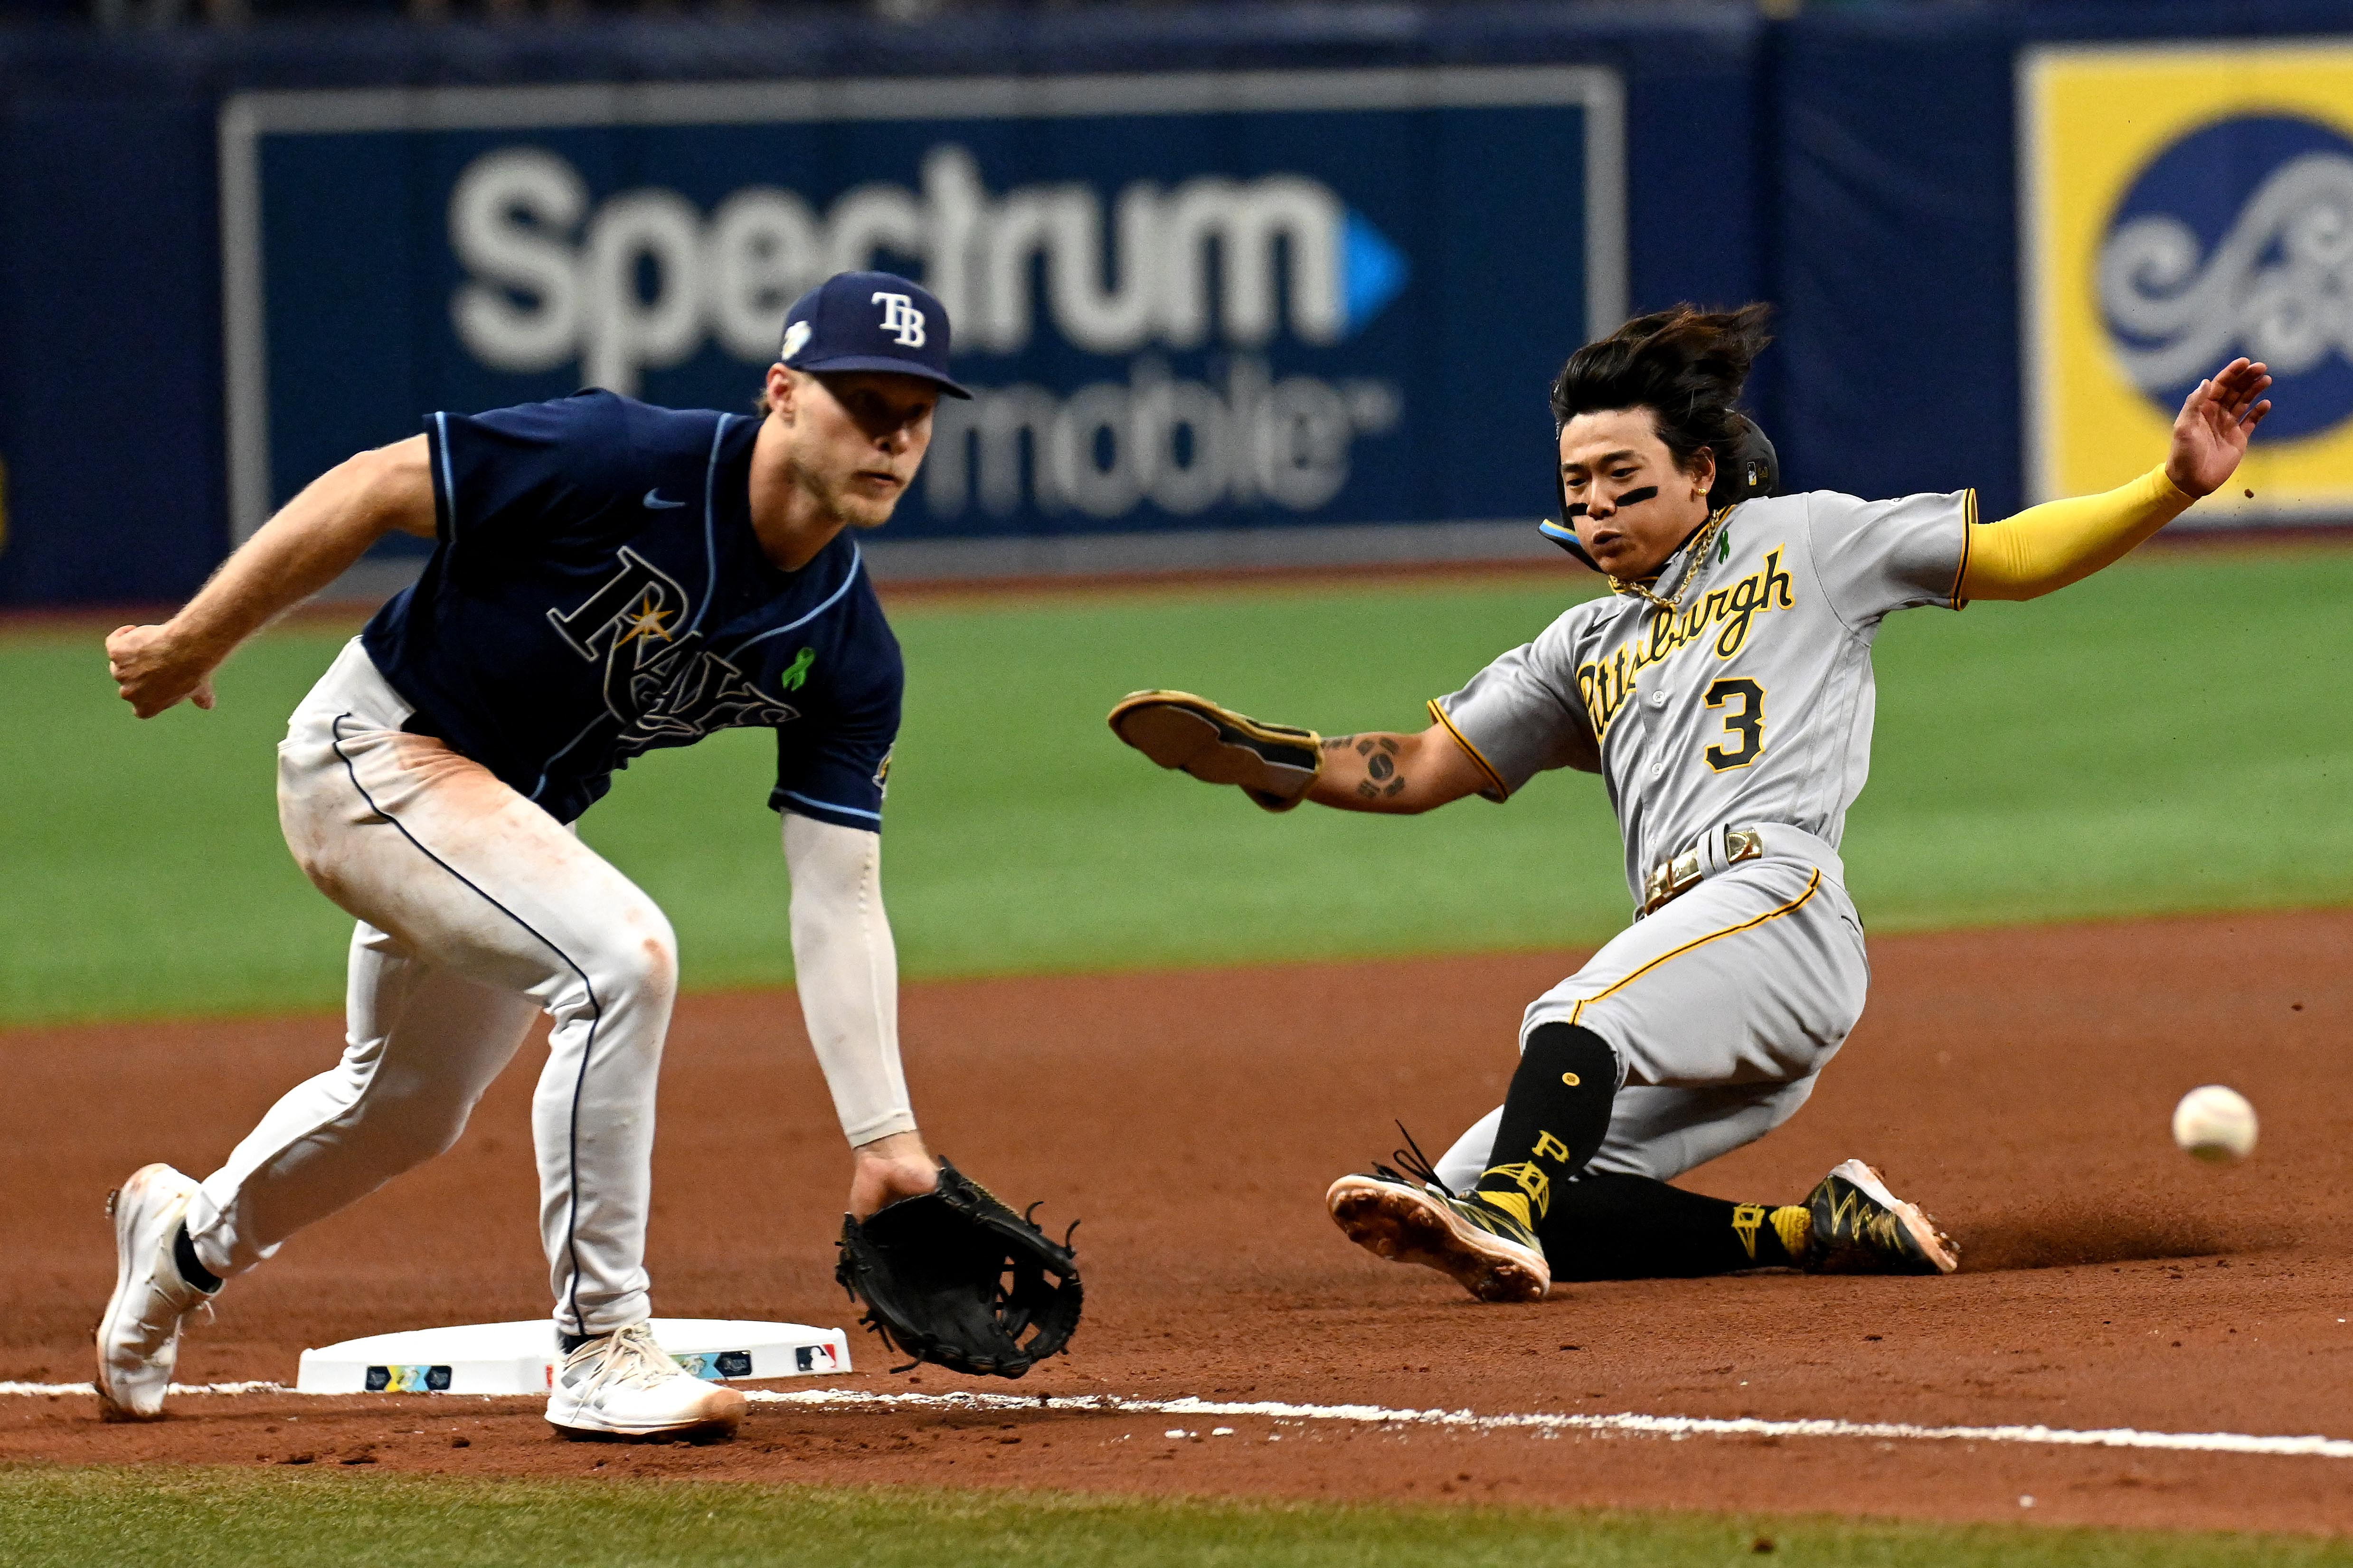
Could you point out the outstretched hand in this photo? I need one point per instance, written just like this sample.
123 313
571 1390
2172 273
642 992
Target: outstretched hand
2211 435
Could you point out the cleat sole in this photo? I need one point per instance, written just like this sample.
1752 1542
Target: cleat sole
1938 1252
1392 1222
716 1428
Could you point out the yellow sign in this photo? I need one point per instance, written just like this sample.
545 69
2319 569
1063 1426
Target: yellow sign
2181 205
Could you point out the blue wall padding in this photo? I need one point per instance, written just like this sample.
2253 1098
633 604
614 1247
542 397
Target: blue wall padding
1855 165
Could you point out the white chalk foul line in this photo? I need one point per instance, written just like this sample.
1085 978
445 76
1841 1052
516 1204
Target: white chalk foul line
1673 1427
1655 1426
51 1390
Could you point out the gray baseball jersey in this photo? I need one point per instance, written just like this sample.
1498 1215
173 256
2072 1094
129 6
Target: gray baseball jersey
1752 704
1751 708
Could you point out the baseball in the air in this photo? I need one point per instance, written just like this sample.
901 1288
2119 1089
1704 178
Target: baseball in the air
2215 1124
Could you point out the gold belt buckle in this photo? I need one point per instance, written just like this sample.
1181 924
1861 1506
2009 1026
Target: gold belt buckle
1669 880
1679 874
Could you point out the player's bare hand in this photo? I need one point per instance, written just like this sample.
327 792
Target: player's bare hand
2217 420
152 671
894 1166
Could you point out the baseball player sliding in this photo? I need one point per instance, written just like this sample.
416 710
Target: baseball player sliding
607 577
1724 691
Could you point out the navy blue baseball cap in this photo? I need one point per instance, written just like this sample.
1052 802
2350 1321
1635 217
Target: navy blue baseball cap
870 321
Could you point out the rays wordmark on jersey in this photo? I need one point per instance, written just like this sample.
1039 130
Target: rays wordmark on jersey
1605 683
660 681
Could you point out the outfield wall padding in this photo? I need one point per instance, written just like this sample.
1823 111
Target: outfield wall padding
1856 165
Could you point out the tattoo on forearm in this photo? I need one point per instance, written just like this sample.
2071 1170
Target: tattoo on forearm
1382 755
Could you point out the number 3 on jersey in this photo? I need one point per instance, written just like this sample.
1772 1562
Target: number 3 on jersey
1744 724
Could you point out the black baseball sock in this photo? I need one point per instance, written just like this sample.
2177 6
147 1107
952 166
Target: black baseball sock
1608 1226
1555 1115
192 1268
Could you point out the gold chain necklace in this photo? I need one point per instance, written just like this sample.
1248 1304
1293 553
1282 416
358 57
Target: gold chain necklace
1692 568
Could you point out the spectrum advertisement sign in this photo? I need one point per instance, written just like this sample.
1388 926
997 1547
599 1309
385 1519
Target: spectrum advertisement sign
1184 301
2182 206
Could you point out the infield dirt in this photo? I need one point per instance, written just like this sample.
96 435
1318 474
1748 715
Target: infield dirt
2017 1083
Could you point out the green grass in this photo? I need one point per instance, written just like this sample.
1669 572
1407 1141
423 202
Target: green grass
2172 735
192 1518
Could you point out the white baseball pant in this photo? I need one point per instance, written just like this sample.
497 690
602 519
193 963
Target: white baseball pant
476 910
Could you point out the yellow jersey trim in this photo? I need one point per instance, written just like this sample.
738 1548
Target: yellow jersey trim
1968 528
1502 790
1813 885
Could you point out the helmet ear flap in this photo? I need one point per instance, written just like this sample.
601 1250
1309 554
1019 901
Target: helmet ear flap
1749 470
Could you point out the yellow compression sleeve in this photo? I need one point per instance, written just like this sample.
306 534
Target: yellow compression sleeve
2048 546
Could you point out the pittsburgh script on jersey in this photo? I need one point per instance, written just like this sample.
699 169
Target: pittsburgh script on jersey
1604 684
660 682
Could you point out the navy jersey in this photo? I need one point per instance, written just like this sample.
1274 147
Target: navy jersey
597 592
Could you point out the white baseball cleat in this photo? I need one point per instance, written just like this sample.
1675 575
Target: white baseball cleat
624 1384
139 1338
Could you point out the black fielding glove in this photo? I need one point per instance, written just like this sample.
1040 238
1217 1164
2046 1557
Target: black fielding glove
1274 765
956 1279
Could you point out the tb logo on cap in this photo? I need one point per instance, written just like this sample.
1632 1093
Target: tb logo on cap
901 319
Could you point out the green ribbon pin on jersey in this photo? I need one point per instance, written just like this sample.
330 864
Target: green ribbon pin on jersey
798 672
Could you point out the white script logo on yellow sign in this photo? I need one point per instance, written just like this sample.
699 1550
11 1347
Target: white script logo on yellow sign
2180 206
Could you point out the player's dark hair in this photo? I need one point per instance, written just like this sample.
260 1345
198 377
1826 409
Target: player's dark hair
1685 365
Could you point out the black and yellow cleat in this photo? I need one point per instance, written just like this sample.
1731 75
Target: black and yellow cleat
1484 1250
1860 1227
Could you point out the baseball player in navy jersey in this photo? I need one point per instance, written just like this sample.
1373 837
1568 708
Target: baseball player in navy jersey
608 578
1723 689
